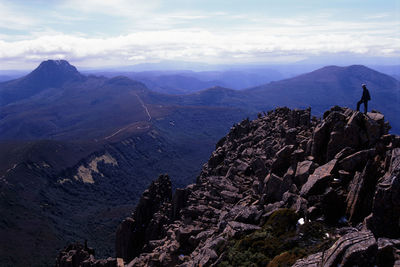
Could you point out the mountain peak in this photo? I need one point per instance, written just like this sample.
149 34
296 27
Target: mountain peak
49 74
55 62
56 66
53 73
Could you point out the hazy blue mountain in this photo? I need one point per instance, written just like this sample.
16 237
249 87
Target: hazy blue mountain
334 85
239 78
392 70
186 82
49 74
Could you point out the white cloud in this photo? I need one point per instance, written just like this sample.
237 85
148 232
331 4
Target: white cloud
195 45
215 37
13 19
126 8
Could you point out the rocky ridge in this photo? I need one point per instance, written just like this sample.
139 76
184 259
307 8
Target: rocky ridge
279 174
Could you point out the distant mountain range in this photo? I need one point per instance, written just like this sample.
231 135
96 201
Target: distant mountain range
186 82
74 147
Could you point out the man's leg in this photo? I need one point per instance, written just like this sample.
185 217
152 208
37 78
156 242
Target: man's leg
358 105
365 106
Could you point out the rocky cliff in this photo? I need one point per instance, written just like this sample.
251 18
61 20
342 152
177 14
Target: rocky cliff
284 189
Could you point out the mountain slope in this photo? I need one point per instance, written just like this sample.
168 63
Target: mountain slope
280 190
49 74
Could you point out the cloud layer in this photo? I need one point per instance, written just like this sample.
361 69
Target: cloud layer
141 33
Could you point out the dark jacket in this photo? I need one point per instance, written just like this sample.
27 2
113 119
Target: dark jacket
365 96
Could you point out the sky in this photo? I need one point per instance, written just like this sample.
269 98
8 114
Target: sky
103 33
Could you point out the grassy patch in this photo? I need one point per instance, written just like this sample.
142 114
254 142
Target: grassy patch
279 243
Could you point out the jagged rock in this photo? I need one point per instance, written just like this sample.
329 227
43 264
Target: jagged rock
216 158
358 248
290 138
343 128
299 117
322 134
274 187
319 179
295 202
183 234
361 191
230 197
347 151
385 217
304 169
332 206
282 161
194 211
258 166
234 229
131 234
179 201
352 249
313 260
387 251
195 240
78 255
356 161
124 238
250 215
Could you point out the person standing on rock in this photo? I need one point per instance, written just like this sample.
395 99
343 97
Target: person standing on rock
364 99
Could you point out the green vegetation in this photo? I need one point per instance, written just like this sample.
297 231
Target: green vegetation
279 243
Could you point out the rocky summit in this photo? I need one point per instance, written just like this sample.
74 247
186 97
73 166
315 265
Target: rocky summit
284 189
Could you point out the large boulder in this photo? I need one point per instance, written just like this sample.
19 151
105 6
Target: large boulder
343 128
274 187
356 161
334 119
318 181
303 170
361 193
352 249
385 217
282 160
125 239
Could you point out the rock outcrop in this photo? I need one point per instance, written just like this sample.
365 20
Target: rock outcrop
338 175
145 224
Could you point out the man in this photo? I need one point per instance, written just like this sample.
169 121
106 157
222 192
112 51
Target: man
364 99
